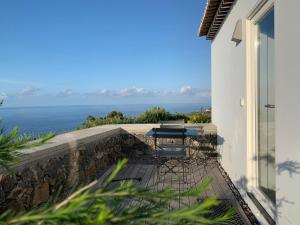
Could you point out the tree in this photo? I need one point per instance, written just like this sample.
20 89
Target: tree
115 114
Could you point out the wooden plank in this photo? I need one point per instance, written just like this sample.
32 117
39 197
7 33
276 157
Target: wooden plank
195 174
106 174
147 175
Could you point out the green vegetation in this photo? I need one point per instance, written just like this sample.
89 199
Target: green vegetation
153 115
199 117
11 144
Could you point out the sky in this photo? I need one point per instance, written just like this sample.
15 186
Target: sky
79 52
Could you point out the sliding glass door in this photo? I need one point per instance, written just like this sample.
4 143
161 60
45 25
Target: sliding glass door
266 106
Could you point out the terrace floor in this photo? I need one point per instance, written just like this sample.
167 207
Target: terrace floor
144 172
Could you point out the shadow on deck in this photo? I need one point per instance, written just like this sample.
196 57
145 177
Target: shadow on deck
144 172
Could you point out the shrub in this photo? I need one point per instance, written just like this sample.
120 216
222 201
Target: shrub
113 117
199 117
180 116
154 115
115 114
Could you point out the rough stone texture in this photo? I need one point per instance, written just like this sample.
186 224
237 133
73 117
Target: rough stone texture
41 193
34 183
63 165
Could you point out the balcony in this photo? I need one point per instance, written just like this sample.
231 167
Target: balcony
83 156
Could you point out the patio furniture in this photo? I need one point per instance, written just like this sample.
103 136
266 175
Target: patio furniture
172 122
171 154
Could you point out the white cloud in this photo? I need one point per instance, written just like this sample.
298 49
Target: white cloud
65 93
29 91
186 90
103 92
126 92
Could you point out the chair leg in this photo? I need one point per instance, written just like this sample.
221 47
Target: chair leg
183 171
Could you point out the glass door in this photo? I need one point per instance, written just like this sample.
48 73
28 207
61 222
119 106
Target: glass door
266 106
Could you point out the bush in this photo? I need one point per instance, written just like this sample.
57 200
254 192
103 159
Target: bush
115 114
180 116
154 115
199 117
113 117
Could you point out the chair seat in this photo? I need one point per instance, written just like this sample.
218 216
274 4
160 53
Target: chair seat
170 154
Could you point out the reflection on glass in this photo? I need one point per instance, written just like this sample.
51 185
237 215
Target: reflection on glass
266 106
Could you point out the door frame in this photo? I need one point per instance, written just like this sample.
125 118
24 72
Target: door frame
260 10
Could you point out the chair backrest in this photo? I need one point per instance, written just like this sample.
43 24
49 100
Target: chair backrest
171 126
169 132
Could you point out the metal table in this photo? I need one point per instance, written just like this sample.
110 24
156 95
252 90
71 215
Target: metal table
190 132
170 151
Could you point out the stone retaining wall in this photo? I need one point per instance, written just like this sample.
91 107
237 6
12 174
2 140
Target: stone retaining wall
37 178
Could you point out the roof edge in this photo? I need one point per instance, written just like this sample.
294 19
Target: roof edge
215 13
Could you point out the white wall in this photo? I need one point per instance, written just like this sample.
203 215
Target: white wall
287 70
229 85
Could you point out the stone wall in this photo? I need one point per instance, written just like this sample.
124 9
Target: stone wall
62 167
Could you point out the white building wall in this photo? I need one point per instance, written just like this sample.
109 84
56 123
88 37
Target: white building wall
229 87
287 70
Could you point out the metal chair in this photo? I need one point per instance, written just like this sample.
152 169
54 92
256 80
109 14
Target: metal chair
172 124
167 153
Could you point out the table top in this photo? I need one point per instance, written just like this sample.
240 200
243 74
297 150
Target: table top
190 132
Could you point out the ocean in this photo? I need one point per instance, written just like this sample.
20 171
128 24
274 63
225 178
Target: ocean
59 119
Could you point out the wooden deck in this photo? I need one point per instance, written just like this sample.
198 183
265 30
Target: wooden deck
144 172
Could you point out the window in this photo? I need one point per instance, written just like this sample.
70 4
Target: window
266 105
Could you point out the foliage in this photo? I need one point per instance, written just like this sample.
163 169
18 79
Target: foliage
154 115
124 204
92 121
11 144
115 114
199 117
180 116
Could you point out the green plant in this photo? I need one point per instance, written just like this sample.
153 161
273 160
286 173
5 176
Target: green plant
199 117
11 144
125 204
115 114
154 115
92 121
180 116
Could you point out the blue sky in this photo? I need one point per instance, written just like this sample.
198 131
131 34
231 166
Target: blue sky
74 52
